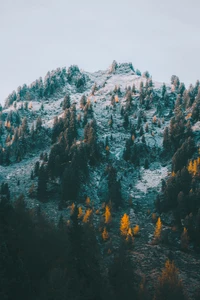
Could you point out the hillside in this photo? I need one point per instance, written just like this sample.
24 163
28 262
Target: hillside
112 140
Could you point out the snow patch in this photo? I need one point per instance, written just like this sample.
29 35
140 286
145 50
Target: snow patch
151 179
196 126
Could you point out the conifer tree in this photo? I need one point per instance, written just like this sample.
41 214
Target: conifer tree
38 124
66 102
169 285
124 225
87 216
184 239
157 233
107 215
42 183
105 234
25 128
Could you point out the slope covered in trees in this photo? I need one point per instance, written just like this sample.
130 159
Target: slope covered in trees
102 170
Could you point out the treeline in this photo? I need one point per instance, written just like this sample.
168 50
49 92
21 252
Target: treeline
52 82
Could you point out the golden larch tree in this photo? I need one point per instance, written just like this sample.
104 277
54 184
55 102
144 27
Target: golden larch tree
195 167
190 167
173 174
72 208
107 215
107 148
129 235
158 229
154 120
87 201
184 239
169 285
125 224
30 105
80 212
136 230
87 215
105 234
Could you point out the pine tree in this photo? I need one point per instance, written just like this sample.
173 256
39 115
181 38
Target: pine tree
66 102
163 90
38 124
42 183
24 126
126 121
121 275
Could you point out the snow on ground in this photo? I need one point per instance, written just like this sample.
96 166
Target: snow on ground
196 126
151 178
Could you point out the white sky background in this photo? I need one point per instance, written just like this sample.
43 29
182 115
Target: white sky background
37 36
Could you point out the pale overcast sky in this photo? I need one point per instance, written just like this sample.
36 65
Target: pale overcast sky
36 36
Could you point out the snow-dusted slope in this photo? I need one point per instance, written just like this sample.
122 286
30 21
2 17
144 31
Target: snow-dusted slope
105 81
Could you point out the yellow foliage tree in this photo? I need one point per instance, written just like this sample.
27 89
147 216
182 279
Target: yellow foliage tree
154 119
136 230
80 212
87 215
7 124
105 234
125 224
154 217
107 215
87 201
116 99
129 235
30 105
173 173
169 281
158 229
184 239
72 208
190 167
195 167
107 148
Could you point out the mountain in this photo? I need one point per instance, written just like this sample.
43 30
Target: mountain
111 142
